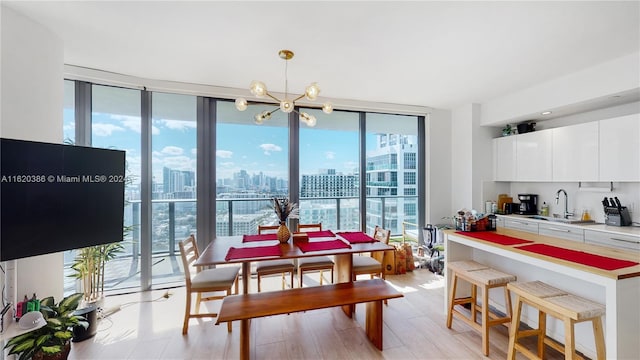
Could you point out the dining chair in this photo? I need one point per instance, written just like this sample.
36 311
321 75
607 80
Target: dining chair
314 263
201 281
271 267
367 264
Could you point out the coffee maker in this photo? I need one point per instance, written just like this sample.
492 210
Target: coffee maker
528 204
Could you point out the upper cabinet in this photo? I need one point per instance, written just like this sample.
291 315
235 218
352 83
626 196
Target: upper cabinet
575 152
620 148
504 159
605 150
533 156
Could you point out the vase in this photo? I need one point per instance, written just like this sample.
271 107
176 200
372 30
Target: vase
283 233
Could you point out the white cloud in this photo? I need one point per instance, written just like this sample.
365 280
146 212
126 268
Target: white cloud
194 151
178 124
102 129
330 155
130 122
172 150
269 148
225 154
179 163
155 130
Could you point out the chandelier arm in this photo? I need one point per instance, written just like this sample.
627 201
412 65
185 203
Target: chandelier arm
273 97
298 98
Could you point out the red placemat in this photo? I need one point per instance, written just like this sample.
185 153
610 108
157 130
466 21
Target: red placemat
322 245
355 237
253 252
494 238
261 237
580 257
323 233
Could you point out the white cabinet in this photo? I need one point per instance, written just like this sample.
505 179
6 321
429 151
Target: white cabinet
560 231
626 242
504 158
620 148
533 156
575 152
524 225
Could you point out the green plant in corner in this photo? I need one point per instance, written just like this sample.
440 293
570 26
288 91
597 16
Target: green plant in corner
53 339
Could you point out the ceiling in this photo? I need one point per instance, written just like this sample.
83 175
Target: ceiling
435 54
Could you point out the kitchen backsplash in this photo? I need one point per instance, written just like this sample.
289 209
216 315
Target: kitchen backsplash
579 200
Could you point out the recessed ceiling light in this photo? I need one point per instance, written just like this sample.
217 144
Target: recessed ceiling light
545 113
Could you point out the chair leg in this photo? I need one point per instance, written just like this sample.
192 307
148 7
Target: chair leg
452 296
513 329
198 302
485 321
291 278
187 312
542 332
259 282
229 322
283 281
569 340
598 334
320 277
301 274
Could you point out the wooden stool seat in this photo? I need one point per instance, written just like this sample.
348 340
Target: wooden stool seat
485 278
567 307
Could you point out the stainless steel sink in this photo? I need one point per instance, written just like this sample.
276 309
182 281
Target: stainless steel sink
561 220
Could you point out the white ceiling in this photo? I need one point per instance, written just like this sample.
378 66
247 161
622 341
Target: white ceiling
436 54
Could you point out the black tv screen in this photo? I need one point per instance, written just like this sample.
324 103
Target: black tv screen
57 197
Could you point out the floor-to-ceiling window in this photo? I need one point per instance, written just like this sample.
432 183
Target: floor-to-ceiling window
173 181
252 167
329 168
391 170
343 177
116 124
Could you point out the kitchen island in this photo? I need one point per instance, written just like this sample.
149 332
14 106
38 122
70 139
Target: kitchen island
618 289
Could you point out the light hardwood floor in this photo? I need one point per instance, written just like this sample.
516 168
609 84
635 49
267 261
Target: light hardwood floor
148 326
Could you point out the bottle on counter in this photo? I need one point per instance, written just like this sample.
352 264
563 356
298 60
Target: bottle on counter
545 209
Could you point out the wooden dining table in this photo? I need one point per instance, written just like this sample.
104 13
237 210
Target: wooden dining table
216 252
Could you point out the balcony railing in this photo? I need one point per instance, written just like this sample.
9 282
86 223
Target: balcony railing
175 219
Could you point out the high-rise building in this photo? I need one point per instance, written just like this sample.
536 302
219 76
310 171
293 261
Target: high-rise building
391 182
329 184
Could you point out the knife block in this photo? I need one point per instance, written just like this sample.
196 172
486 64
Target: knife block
617 216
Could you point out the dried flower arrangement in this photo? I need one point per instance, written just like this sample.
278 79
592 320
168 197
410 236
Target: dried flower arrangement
285 209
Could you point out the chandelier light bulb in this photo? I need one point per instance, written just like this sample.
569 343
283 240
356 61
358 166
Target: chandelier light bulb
258 119
241 104
286 106
327 108
258 88
312 121
312 91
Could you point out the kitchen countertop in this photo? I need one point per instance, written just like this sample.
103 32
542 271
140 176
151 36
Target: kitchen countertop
622 230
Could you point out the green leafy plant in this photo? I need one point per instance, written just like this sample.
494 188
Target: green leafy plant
89 266
54 336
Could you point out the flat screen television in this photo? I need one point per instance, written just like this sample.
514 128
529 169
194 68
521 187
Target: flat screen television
57 197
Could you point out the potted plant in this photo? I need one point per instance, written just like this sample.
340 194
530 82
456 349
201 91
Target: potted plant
89 265
51 341
284 210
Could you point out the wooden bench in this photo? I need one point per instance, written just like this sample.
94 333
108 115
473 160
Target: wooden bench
248 306
569 308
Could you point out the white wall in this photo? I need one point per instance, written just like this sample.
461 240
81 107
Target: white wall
461 158
31 73
438 164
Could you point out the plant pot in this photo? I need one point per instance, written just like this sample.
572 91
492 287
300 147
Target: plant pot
63 355
283 234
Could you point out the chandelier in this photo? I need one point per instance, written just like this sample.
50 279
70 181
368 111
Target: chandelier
286 105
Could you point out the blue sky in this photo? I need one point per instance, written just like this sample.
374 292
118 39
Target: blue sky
239 147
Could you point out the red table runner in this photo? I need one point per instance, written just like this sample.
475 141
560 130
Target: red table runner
355 237
494 238
323 233
253 252
580 257
261 237
322 245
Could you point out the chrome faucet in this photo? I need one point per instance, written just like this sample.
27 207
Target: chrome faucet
566 203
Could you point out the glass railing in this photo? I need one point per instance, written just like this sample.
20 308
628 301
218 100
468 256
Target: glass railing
175 219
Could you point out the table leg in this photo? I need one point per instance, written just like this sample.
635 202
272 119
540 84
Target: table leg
246 275
245 334
373 323
344 270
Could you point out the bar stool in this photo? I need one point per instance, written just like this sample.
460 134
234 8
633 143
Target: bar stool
485 278
569 308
